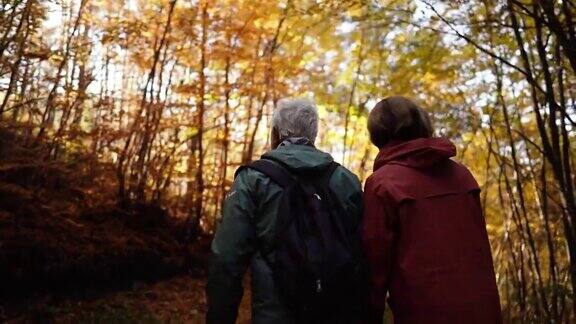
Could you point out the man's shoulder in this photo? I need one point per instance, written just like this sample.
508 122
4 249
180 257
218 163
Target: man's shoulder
246 172
344 177
249 178
346 172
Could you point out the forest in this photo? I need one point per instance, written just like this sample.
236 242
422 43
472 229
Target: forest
122 123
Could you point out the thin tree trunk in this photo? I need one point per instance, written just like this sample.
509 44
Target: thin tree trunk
359 61
556 27
270 51
197 207
48 111
15 67
144 106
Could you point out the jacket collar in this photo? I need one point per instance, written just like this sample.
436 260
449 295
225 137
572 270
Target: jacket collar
419 153
296 141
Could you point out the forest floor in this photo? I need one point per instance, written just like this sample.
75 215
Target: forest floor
179 299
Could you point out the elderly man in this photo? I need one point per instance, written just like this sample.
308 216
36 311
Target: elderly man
293 217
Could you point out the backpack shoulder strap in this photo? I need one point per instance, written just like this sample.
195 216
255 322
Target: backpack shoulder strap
324 179
273 170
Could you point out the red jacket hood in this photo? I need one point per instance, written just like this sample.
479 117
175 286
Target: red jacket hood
420 153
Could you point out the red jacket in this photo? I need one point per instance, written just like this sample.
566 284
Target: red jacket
425 237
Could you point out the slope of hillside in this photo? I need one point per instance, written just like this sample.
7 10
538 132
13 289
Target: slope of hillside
61 230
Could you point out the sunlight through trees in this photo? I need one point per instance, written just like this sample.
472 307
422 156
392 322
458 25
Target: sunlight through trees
174 95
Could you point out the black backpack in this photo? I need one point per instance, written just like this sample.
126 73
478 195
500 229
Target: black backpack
317 262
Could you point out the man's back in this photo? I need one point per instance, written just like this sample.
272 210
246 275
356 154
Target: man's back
248 229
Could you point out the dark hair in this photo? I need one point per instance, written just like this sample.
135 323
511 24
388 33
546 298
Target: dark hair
397 119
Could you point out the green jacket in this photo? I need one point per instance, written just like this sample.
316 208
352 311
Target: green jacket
248 227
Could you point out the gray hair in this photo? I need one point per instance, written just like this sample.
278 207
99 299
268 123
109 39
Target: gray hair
296 118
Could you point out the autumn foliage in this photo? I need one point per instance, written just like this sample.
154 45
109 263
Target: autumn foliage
111 109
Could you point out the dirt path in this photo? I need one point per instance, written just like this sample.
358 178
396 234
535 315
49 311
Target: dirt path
180 299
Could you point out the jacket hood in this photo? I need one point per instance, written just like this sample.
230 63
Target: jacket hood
420 153
300 158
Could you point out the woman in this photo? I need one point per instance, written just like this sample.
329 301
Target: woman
423 229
